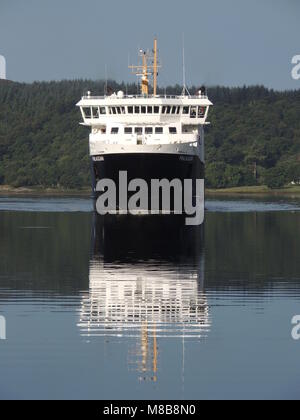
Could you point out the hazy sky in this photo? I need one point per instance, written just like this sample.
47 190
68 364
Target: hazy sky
228 42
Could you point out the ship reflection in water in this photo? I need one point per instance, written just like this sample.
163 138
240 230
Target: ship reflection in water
146 282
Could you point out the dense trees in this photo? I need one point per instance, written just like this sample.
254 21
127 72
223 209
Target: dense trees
257 132
254 137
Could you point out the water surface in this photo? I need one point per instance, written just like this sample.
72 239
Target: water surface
145 310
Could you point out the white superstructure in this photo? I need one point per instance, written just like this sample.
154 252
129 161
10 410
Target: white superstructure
138 124
146 123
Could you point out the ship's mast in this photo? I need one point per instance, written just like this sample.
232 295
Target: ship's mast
155 68
145 80
144 71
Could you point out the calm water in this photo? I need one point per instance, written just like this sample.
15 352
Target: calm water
146 310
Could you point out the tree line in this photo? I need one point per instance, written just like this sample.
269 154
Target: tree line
253 139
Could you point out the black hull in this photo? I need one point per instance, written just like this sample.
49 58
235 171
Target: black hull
146 166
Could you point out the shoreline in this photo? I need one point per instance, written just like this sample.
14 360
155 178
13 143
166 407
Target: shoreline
6 190
262 190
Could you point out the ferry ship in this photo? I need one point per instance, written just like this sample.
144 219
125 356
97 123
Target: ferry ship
148 135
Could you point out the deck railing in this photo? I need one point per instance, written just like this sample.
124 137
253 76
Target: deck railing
146 97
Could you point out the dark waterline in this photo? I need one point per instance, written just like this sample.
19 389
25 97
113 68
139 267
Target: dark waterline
149 310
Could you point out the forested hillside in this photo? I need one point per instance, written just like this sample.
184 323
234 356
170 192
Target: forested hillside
254 137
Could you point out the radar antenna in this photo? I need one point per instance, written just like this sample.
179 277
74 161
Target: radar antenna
145 71
184 89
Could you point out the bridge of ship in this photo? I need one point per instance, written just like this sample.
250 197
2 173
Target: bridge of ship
137 119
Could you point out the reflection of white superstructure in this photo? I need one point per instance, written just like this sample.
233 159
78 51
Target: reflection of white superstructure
122 299
146 290
147 304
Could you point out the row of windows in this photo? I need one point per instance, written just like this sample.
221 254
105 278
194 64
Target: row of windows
192 111
140 130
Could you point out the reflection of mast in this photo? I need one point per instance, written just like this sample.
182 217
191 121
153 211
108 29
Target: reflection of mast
149 353
135 301
154 355
144 345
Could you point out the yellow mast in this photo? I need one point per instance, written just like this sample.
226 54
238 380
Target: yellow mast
155 68
145 80
145 71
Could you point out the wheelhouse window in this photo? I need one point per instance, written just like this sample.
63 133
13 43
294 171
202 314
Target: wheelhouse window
186 110
128 130
136 109
120 110
156 110
102 110
159 130
174 109
87 112
193 112
138 130
95 110
167 109
143 110
149 130
149 110
201 111
130 110
115 130
172 130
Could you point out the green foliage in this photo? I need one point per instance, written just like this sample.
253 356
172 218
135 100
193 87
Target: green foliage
254 136
293 173
220 175
256 132
275 177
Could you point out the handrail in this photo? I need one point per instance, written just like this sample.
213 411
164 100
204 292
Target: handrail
147 97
